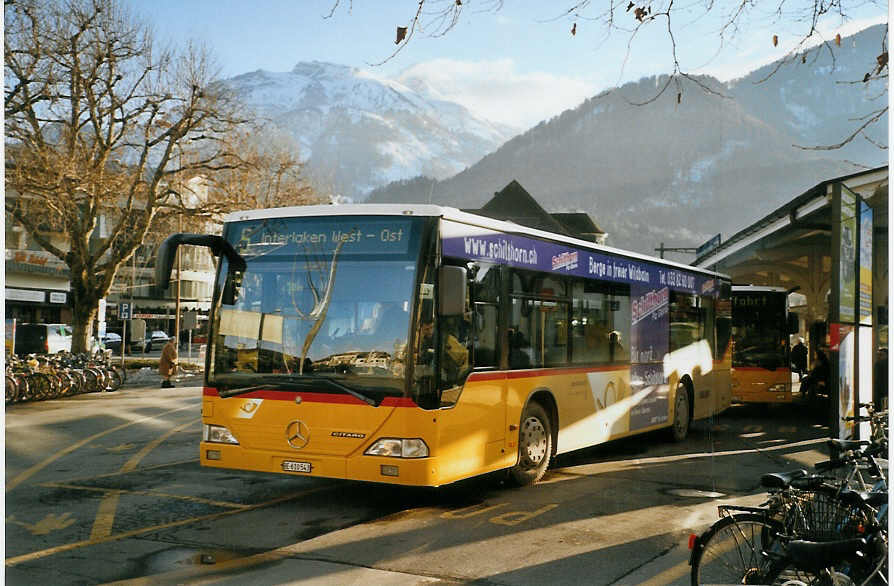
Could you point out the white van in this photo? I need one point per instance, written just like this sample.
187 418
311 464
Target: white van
42 338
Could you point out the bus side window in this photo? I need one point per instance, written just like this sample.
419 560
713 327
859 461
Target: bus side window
485 322
485 315
591 323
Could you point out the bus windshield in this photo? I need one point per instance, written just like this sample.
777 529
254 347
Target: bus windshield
320 297
759 329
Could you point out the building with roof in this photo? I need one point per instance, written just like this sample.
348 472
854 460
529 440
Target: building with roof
514 204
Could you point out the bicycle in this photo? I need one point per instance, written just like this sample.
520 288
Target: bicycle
805 517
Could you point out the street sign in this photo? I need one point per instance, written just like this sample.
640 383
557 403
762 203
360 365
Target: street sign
708 246
124 311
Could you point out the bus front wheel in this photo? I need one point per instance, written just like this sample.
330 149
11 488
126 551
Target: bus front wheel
535 446
680 428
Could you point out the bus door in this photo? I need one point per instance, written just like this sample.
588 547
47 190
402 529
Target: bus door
472 430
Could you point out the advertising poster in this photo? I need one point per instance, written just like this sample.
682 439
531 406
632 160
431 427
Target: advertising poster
845 381
847 249
865 266
864 392
648 346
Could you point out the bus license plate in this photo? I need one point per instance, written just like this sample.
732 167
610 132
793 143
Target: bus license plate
290 466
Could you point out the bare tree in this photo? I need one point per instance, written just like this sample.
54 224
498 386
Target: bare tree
99 123
630 18
270 174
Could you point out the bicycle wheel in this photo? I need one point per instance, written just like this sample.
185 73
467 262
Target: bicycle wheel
94 380
733 550
12 390
40 386
113 375
21 387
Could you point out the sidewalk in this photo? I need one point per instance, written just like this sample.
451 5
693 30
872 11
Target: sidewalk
148 377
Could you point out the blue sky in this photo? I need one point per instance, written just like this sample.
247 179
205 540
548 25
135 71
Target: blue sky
516 65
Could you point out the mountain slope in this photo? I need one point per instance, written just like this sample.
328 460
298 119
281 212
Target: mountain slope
357 131
673 172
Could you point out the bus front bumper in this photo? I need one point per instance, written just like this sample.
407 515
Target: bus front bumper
403 471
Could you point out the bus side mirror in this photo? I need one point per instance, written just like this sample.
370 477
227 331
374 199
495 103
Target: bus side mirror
452 290
794 325
167 252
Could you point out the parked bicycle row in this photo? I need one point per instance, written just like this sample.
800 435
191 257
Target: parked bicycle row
828 527
37 377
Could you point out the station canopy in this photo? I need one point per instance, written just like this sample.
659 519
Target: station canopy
792 246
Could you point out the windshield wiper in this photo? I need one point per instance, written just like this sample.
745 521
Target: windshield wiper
297 384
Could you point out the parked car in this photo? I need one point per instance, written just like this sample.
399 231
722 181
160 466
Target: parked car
42 338
112 341
157 340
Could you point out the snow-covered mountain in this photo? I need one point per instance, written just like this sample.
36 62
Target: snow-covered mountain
357 131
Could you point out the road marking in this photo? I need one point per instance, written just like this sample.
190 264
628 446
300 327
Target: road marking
513 518
45 526
105 516
35 555
121 448
65 451
157 493
119 473
470 511
672 574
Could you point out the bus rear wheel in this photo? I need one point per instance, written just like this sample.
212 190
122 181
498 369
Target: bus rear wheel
535 446
680 428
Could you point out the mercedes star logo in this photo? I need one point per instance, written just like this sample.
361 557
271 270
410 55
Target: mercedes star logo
297 434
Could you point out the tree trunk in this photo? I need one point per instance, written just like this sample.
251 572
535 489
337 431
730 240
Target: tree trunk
85 306
82 318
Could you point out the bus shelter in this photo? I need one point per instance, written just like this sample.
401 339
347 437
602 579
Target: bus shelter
830 246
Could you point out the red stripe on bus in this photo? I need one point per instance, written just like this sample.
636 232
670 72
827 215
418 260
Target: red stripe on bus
314 397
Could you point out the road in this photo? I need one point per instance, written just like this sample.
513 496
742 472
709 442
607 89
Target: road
106 487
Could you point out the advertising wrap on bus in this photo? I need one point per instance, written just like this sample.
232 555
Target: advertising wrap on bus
529 253
650 287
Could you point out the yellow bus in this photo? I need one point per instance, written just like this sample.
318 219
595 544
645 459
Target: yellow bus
421 345
761 365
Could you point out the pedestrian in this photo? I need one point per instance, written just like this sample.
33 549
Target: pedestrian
167 364
799 358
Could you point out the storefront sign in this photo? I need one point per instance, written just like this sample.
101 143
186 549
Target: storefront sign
25 295
58 297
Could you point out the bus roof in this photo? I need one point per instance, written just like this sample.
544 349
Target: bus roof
449 213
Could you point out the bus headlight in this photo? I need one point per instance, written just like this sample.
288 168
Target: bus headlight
398 448
218 434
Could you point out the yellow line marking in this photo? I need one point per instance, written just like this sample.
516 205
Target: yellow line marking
105 516
669 575
131 464
35 555
155 493
119 473
64 452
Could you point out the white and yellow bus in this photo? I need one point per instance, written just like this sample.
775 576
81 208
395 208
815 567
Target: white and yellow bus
420 345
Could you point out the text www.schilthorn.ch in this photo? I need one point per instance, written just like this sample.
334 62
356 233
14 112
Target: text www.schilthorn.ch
502 250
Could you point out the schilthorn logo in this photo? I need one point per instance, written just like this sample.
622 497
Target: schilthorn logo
565 260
